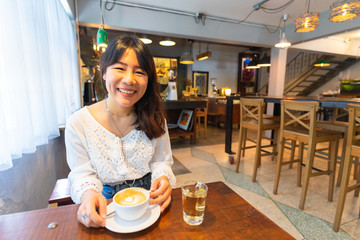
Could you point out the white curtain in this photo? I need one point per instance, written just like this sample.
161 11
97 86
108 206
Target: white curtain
39 86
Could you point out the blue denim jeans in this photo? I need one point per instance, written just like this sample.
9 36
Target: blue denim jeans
144 182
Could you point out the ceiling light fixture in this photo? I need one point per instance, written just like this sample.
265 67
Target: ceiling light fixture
186 57
204 55
284 43
167 42
343 10
102 37
322 63
145 39
264 61
308 21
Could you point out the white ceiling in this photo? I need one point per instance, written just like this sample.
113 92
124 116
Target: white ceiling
239 9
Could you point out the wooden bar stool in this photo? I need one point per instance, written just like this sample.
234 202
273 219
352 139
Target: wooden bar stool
252 118
352 150
201 113
298 122
342 127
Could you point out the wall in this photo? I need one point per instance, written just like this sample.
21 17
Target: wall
29 183
223 64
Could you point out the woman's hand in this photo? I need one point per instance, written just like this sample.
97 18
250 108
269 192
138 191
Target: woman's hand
92 211
160 192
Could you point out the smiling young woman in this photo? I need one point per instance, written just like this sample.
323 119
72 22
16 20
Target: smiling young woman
123 140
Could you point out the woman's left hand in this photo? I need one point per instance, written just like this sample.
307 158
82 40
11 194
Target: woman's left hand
160 192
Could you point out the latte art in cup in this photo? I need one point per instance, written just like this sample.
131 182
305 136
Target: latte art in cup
130 197
131 203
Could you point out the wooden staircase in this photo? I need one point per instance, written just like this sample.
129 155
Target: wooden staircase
302 77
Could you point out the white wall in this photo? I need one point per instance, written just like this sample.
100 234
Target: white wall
223 64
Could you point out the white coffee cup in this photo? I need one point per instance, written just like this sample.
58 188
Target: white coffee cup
131 203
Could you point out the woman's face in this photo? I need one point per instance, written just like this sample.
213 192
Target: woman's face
126 81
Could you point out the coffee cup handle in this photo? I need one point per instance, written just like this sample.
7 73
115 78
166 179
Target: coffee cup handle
153 206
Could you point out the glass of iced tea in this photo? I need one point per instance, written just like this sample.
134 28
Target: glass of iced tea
193 200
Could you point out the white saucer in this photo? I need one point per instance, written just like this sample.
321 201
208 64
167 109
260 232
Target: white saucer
116 224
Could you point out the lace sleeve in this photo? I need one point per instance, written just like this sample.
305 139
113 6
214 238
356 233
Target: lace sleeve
162 160
82 175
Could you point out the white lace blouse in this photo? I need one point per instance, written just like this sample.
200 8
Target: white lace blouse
96 156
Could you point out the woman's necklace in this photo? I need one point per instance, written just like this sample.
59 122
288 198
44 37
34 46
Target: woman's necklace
110 115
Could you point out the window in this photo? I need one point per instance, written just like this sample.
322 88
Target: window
39 86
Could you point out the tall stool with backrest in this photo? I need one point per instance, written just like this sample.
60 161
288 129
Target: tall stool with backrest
298 122
340 126
352 150
252 118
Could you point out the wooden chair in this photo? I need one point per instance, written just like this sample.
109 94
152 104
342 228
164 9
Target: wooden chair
352 150
201 113
340 126
61 193
298 122
252 118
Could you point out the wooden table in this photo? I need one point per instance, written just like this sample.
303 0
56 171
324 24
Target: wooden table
326 102
227 216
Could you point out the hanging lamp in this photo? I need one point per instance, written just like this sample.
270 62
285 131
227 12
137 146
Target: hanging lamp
284 43
308 21
186 57
322 63
343 10
102 37
204 55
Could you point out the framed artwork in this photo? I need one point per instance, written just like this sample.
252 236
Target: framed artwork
200 81
247 75
185 119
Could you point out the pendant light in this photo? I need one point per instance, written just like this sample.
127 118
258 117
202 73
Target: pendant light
102 37
308 21
343 10
284 43
186 57
322 63
204 55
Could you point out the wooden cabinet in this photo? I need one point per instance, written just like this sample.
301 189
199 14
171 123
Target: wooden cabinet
173 110
217 109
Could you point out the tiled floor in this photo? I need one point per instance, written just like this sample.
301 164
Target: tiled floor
207 161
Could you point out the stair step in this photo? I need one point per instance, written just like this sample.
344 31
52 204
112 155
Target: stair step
309 77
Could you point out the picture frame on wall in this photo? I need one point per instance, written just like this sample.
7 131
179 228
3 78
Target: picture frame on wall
200 82
247 75
184 120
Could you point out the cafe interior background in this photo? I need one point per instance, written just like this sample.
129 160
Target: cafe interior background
230 30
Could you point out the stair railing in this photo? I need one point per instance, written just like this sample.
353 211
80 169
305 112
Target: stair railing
298 64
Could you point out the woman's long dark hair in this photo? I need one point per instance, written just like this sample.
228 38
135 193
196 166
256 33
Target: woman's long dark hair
149 109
